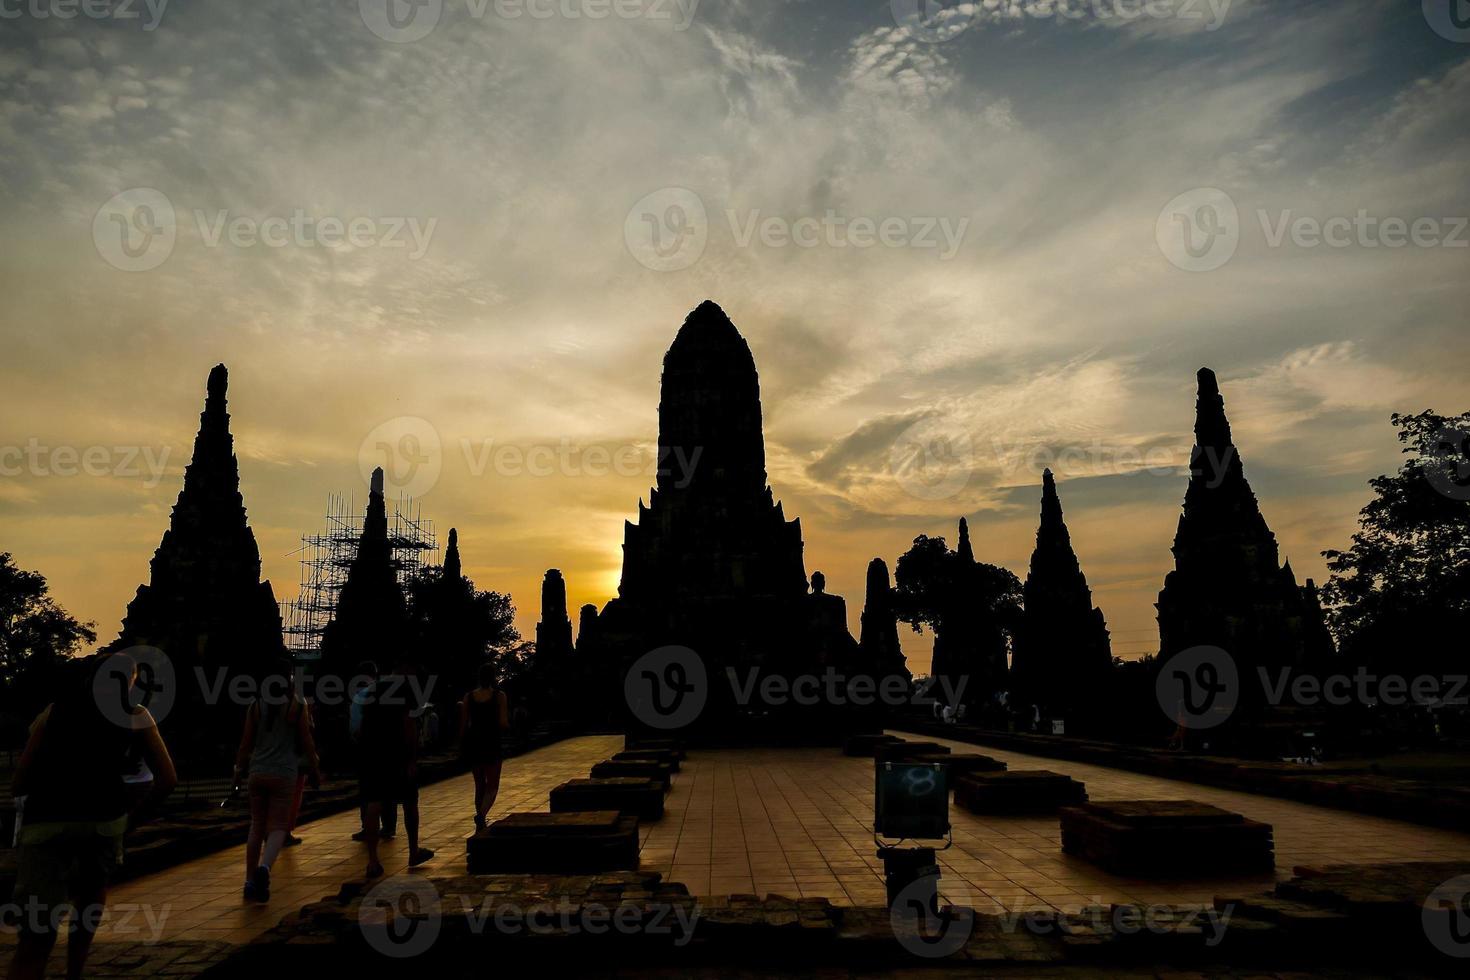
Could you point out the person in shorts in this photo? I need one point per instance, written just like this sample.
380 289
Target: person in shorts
275 744
77 807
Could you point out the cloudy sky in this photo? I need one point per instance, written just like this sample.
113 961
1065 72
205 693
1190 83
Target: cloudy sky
965 241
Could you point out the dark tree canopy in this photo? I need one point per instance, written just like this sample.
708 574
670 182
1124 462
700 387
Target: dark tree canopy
1399 598
456 627
37 638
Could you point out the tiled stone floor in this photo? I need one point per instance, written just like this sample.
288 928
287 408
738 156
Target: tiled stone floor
796 822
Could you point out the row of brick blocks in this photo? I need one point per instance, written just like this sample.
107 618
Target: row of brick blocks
1132 838
593 823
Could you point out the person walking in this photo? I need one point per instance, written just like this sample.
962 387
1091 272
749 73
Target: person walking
389 747
275 743
484 715
365 685
77 808
291 839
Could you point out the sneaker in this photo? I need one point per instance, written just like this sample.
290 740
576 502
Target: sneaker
420 856
262 883
292 841
374 870
360 836
249 891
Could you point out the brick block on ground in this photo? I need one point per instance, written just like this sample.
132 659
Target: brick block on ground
863 746
673 745
629 795
961 763
648 755
1153 838
905 751
663 772
1020 791
582 842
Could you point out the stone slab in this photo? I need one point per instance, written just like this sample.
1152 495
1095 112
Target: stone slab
649 755
628 795
663 772
896 751
583 842
1158 838
674 745
1019 791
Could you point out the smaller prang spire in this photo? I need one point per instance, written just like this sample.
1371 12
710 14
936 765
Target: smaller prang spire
452 568
966 553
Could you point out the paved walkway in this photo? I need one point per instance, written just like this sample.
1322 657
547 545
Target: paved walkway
795 821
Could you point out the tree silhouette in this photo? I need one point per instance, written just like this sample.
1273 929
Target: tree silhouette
456 627
1399 598
37 639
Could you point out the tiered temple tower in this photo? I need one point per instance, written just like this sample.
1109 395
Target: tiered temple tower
1228 588
878 641
1062 650
712 563
371 620
554 632
205 604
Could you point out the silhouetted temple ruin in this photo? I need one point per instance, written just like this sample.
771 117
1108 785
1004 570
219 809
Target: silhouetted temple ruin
371 619
1062 650
1228 588
554 631
878 638
205 604
712 563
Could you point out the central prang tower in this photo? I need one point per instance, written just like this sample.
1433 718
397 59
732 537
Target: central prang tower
712 563
711 530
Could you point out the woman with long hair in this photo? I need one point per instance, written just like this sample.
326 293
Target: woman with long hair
274 745
483 716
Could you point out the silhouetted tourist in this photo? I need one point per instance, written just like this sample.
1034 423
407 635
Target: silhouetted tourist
367 679
389 773
484 715
76 811
291 839
274 745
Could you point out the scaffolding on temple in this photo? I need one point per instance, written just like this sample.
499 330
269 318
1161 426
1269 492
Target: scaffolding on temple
327 556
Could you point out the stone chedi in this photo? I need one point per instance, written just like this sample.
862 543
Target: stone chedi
1062 650
878 639
554 632
1228 588
712 563
371 618
205 604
